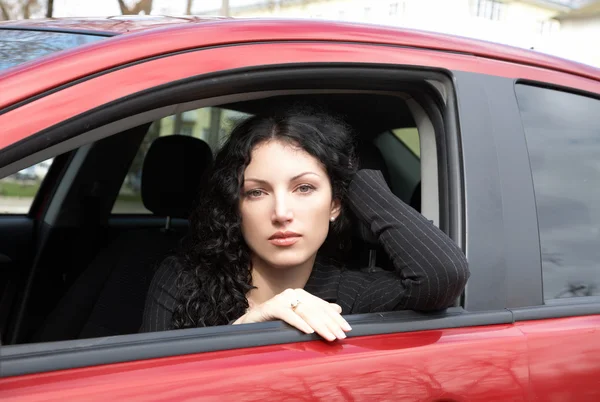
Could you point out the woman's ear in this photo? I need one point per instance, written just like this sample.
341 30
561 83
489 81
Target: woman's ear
336 208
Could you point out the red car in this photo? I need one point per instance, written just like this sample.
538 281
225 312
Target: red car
499 146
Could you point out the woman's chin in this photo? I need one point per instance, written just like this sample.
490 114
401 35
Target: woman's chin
288 259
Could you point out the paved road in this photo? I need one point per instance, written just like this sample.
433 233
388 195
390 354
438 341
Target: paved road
15 205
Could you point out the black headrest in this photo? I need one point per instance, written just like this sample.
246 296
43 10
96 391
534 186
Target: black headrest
173 170
369 157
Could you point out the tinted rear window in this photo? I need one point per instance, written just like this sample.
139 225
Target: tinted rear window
563 139
18 47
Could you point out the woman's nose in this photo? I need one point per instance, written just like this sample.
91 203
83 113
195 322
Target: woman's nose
282 212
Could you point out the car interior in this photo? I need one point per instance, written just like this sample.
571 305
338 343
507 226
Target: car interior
108 211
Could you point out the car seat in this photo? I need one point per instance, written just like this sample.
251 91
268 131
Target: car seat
108 297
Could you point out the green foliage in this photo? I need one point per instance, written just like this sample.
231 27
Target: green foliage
18 188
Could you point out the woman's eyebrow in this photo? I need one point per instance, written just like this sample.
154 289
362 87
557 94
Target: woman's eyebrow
260 181
303 174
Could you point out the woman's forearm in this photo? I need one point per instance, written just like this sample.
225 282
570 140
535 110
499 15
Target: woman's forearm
429 263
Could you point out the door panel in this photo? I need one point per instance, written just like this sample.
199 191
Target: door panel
462 364
16 235
564 355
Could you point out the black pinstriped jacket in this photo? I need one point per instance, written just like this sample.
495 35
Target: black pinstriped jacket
430 271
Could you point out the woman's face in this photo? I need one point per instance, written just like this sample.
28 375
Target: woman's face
286 204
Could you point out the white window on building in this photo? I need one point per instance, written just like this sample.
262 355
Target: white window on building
489 9
397 8
547 27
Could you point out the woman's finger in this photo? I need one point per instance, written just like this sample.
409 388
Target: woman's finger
336 316
333 325
336 307
323 317
289 316
317 319
321 328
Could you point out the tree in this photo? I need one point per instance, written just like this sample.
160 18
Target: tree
188 7
138 7
49 8
18 9
5 11
27 7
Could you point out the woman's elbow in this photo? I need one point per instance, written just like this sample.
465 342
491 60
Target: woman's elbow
458 274
445 293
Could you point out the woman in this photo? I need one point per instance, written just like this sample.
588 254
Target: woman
282 185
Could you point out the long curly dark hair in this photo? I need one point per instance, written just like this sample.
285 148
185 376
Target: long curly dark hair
216 273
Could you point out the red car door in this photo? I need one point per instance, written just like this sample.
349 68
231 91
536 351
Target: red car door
563 357
473 362
463 364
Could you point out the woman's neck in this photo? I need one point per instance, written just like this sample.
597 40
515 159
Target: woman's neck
270 281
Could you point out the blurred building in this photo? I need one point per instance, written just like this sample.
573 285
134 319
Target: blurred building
580 33
567 28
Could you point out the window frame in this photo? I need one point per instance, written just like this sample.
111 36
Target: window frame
502 239
33 358
28 358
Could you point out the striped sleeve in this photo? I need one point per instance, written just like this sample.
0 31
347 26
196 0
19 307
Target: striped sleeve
161 298
430 271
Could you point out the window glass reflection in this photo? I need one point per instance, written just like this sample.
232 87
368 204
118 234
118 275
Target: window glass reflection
563 139
17 47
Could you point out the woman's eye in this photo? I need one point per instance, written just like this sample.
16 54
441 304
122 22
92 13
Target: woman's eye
305 189
254 193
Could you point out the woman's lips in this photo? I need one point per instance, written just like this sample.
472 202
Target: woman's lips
284 238
284 241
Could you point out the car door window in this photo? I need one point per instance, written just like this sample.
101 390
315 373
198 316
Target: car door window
563 139
210 124
18 191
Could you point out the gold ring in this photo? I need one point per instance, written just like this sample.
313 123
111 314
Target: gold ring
294 304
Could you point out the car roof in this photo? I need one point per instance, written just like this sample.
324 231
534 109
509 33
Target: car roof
142 37
306 29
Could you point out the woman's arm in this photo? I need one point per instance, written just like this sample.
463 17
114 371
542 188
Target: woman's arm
161 299
430 270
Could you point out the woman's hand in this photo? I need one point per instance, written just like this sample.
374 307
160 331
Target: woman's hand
302 310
